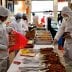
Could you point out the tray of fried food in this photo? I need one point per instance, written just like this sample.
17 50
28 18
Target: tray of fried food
56 68
27 52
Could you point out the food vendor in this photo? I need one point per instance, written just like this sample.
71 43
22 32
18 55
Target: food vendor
15 24
66 29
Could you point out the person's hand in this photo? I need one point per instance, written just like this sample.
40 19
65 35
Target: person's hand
55 41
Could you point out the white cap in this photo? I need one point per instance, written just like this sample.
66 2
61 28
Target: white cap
4 11
66 10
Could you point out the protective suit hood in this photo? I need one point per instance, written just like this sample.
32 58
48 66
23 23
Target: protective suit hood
66 10
4 12
18 15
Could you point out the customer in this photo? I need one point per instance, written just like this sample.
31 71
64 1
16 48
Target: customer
60 18
50 28
66 29
43 20
35 19
15 24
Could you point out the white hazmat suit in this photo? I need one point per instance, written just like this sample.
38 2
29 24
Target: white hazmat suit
66 26
4 33
16 26
24 24
19 25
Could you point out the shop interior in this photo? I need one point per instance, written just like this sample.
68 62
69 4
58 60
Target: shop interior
31 45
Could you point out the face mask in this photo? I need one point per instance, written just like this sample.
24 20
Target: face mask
18 20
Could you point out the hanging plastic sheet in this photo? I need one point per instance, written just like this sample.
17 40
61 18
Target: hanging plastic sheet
17 41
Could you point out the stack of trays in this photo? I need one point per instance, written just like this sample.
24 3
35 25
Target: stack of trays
30 34
43 37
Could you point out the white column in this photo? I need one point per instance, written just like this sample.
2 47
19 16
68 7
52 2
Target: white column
28 8
55 9
71 1
4 3
0 2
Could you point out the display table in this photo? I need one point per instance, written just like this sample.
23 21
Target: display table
14 67
65 61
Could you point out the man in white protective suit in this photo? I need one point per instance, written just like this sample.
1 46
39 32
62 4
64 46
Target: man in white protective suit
15 24
4 13
66 29
25 24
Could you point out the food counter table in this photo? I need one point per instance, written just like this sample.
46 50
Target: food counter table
41 41
14 67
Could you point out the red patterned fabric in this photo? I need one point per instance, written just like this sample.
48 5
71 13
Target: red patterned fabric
17 41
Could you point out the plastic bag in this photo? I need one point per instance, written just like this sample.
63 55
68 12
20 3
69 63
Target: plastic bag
17 41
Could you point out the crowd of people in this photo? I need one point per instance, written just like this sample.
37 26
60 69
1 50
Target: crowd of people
20 25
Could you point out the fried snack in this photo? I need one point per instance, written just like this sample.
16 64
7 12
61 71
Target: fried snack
30 34
51 58
45 50
56 68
